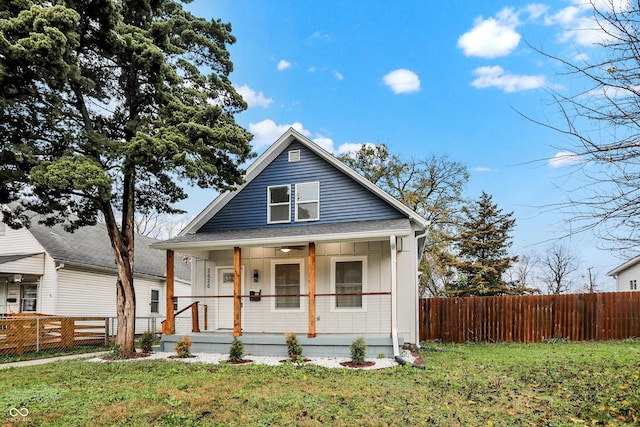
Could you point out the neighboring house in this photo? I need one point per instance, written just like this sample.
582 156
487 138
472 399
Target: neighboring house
318 251
627 275
47 270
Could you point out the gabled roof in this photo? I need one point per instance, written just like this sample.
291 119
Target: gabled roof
89 246
624 266
269 155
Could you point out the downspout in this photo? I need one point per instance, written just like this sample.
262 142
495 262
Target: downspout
417 282
58 266
394 298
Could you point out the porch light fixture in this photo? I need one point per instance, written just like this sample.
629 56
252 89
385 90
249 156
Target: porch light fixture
285 250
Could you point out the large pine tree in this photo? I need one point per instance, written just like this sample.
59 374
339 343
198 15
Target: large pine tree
482 247
105 106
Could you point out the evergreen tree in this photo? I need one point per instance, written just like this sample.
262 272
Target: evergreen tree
104 106
482 247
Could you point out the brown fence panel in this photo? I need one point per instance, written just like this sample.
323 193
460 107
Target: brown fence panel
532 318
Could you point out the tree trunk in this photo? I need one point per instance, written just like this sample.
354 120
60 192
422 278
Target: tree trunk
126 304
122 245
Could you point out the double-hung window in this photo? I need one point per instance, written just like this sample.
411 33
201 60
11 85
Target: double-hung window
287 282
29 298
279 199
633 285
155 301
349 278
308 201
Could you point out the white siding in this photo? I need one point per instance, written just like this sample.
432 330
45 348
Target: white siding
624 278
258 316
19 242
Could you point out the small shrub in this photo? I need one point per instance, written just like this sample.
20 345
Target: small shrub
293 347
381 356
183 347
358 351
146 342
236 352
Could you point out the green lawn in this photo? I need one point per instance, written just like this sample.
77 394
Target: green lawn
498 384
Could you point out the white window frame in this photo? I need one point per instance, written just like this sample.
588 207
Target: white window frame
316 200
334 261
23 297
301 264
270 205
633 285
151 291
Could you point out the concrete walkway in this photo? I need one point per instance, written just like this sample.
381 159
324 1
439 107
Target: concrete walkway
36 362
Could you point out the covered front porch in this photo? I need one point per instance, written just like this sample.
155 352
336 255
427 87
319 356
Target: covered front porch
260 293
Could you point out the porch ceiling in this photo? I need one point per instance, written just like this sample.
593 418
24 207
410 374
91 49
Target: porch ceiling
334 232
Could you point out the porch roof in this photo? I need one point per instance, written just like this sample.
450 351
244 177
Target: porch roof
359 230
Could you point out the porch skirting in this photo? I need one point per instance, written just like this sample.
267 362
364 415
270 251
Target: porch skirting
330 345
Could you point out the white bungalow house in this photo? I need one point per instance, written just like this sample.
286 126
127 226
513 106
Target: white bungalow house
627 275
47 270
306 245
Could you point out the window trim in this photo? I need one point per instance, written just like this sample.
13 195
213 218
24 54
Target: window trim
317 201
270 205
151 290
23 297
334 261
633 285
300 262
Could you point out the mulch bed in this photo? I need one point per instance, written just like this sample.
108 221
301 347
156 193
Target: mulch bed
353 365
133 356
242 362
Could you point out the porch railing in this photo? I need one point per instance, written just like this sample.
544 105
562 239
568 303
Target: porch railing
373 316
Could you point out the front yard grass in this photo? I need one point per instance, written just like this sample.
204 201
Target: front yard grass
592 383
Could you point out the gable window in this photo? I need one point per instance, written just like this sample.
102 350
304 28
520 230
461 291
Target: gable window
155 301
308 201
279 198
287 283
349 277
28 298
633 285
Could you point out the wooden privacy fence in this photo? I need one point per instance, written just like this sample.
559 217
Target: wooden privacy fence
34 333
533 318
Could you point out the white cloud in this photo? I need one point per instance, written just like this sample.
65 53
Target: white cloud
564 158
492 37
317 35
267 132
495 76
402 81
485 169
253 98
536 10
337 75
283 65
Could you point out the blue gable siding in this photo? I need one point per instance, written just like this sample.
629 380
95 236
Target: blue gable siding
341 198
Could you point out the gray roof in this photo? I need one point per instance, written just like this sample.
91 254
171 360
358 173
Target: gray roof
90 246
326 232
11 258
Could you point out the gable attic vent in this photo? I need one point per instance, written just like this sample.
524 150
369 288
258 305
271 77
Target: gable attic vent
294 156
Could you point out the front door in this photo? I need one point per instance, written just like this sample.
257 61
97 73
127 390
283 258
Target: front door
225 305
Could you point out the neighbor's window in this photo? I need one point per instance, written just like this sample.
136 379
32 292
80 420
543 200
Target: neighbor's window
279 198
155 301
633 285
349 279
287 283
308 201
29 298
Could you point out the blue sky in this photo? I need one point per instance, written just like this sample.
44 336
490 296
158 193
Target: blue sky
424 78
